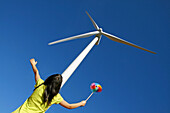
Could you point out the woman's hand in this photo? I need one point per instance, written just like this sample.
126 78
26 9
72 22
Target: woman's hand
83 103
33 62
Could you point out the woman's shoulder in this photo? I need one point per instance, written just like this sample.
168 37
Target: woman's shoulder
39 81
57 99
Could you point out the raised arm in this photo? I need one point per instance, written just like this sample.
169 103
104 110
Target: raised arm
35 70
72 106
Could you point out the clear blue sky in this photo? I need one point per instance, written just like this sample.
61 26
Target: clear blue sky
134 81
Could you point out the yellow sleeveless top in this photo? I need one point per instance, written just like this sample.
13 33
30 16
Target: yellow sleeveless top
34 104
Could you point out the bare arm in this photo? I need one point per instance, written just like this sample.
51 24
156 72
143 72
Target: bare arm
35 70
72 106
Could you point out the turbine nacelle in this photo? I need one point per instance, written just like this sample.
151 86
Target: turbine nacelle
98 34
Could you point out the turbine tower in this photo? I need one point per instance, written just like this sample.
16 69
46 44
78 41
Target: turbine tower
98 33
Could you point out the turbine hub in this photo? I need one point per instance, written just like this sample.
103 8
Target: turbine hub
100 29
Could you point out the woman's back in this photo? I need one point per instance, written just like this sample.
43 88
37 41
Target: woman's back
35 103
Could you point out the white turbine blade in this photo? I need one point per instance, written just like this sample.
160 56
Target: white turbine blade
75 37
116 39
94 24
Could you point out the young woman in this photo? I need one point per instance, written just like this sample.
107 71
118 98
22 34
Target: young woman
45 94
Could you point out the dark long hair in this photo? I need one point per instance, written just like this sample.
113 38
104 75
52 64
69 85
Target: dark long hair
53 84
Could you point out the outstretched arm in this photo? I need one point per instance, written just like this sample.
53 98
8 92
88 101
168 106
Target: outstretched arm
35 70
72 106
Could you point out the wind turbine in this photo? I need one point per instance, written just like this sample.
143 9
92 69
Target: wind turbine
98 33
